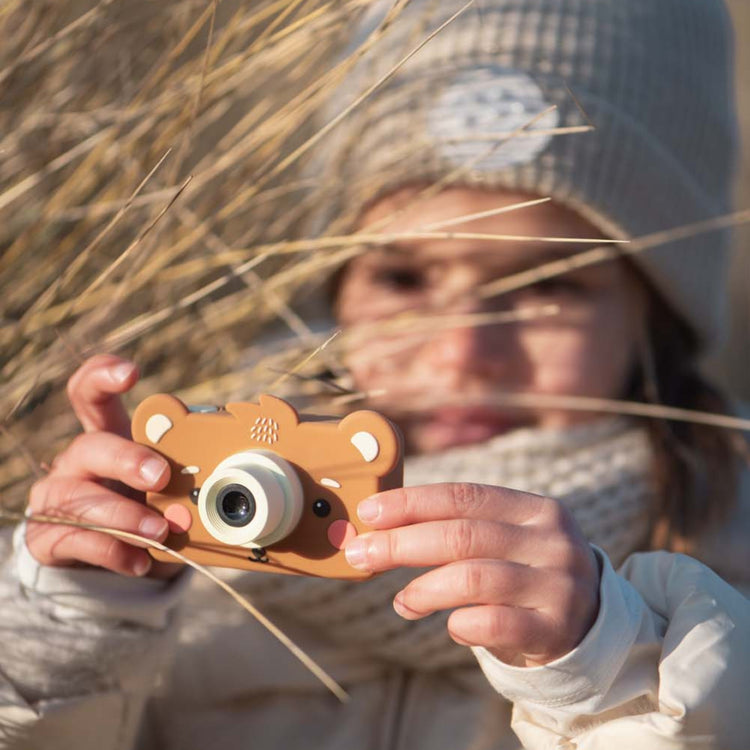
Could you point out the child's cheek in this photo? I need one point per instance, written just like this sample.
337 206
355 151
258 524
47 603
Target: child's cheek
561 362
578 362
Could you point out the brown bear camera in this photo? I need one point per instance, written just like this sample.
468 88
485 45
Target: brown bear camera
258 486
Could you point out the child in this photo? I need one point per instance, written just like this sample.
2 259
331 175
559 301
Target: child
585 656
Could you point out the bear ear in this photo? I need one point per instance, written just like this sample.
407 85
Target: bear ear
377 440
269 407
156 416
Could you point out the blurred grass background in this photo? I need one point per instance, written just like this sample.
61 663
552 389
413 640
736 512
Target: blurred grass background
152 183
148 190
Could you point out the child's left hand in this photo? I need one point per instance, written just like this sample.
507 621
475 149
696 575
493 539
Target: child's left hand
517 567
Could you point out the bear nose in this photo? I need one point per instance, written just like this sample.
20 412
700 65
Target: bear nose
179 518
341 532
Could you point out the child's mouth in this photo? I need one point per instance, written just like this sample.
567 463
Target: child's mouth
454 426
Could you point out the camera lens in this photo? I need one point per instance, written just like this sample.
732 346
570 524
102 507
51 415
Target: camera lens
251 499
235 505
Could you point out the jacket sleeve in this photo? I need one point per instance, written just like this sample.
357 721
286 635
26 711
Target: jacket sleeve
80 652
666 665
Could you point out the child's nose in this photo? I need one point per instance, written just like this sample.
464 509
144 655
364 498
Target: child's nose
463 345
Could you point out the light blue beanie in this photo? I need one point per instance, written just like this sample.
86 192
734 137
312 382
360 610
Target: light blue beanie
654 77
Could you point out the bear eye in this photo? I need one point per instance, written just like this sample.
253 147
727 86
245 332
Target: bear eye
321 508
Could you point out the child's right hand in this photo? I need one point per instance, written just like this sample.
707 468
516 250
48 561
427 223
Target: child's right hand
100 478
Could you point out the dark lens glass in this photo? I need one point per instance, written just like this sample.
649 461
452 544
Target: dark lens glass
236 505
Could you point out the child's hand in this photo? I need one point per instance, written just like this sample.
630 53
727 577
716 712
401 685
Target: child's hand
516 565
100 478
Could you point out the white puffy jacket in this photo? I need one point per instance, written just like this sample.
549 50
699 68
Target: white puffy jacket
92 660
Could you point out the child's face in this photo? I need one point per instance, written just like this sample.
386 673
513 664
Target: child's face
587 349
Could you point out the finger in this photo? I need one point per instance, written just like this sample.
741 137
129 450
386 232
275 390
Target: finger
87 502
435 502
471 582
97 455
507 631
93 548
94 391
441 542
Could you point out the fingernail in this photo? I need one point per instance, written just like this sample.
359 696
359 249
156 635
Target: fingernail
357 552
141 566
120 373
152 527
369 510
402 609
152 469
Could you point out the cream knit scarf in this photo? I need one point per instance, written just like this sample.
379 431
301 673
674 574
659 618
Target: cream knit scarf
601 471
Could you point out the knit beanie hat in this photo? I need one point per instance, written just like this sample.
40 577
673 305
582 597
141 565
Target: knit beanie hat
653 77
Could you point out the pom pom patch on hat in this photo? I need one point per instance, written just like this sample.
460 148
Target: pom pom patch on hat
485 105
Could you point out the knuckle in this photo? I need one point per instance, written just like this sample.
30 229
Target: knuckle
389 548
474 579
406 502
467 498
459 539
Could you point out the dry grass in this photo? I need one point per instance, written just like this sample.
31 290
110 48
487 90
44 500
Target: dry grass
143 144
153 187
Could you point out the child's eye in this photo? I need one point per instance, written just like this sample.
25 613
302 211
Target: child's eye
557 285
399 278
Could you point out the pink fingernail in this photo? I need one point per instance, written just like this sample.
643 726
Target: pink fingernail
154 528
141 566
152 469
357 552
369 510
120 373
402 609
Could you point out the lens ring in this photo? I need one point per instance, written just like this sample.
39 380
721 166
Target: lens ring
275 487
235 505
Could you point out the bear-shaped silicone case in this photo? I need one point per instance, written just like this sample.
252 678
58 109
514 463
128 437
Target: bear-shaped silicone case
257 486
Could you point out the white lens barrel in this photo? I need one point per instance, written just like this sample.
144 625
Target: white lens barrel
276 490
